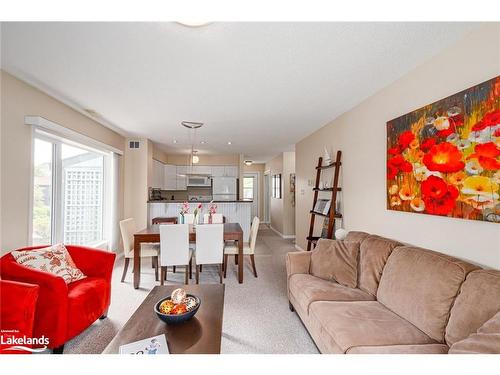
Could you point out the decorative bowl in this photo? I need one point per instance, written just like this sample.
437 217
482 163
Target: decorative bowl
177 318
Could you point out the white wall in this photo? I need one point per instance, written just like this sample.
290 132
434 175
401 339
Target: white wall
361 135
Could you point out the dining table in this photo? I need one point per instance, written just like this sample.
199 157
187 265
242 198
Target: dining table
232 232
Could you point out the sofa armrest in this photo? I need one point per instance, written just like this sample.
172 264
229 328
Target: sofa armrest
52 307
298 262
485 341
93 262
17 311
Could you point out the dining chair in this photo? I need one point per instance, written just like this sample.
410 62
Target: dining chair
127 229
216 219
248 248
174 249
209 247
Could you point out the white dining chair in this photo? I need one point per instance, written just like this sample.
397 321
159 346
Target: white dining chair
174 249
248 247
127 229
209 247
216 218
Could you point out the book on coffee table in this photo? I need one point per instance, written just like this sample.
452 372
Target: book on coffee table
151 345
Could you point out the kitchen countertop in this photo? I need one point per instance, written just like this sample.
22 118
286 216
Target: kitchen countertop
182 201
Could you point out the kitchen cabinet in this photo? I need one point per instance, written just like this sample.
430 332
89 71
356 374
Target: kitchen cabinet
218 171
170 177
181 180
158 175
231 171
202 169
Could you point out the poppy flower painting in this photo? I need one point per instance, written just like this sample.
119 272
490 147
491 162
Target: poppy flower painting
444 159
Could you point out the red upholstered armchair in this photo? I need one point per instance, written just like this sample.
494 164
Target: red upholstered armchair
65 310
17 311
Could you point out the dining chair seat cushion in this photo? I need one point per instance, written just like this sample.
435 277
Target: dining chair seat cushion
233 250
151 249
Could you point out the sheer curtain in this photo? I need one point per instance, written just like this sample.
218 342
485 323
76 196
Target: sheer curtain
116 206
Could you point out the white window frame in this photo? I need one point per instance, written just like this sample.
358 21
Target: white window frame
57 204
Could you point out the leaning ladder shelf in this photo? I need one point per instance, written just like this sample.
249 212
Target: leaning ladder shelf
332 215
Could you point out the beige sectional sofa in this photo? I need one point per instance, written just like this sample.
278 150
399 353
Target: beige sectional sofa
404 299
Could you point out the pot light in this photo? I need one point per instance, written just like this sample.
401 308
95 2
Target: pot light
248 162
229 143
203 142
193 23
175 140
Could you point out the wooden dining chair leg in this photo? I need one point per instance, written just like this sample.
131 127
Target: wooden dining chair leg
125 267
252 258
155 261
197 274
226 258
201 267
152 262
220 272
186 276
236 259
162 274
190 268
174 269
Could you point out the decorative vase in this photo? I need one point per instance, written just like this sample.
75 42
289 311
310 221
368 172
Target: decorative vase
181 219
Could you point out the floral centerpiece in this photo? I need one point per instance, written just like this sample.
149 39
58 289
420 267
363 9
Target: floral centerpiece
197 213
212 210
184 210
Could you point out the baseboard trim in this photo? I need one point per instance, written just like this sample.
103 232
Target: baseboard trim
284 236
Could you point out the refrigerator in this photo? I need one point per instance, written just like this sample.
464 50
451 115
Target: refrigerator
224 188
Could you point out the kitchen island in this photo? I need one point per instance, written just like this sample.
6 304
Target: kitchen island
234 211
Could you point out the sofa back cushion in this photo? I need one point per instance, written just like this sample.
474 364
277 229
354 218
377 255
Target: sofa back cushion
336 260
355 236
421 285
373 254
478 301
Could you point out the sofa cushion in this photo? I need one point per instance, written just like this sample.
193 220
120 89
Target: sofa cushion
478 301
364 323
307 289
485 341
420 286
373 254
355 236
336 260
401 349
87 300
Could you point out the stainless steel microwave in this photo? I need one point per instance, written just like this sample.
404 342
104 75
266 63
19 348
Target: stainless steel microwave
199 181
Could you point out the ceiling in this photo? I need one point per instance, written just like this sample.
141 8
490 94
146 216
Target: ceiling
261 86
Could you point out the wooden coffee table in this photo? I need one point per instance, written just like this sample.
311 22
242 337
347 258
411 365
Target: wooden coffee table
199 335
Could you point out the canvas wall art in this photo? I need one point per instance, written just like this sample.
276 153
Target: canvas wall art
444 159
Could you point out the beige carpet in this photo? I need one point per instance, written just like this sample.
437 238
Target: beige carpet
256 314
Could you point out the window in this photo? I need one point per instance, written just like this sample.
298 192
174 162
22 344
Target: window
277 186
69 192
248 187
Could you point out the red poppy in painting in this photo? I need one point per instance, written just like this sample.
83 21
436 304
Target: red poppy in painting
394 150
405 139
457 120
444 157
427 144
434 187
391 172
444 133
487 154
497 133
398 163
438 196
489 119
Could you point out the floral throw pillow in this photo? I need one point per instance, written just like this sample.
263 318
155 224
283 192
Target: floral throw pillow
54 259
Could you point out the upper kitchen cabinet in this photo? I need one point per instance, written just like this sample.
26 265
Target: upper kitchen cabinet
181 177
170 177
225 171
158 175
231 171
202 169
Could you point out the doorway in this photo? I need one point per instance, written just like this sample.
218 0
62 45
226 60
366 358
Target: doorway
251 191
267 197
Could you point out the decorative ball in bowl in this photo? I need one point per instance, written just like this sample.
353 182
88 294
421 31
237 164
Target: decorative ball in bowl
178 307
